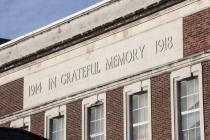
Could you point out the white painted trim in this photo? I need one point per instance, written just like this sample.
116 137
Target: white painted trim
176 76
52 113
88 102
21 123
128 91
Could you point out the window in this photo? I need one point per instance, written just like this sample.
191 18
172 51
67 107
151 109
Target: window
94 117
137 111
187 100
189 110
139 119
96 122
23 123
57 128
55 123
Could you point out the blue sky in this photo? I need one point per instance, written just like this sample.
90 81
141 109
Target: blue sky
18 17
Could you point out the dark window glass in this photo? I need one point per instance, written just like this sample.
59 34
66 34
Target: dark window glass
139 116
189 109
57 128
96 122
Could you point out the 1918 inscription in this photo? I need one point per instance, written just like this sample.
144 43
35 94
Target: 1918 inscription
164 44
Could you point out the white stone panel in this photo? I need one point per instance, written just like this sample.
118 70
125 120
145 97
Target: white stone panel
131 55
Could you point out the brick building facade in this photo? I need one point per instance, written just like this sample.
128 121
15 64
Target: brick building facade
120 70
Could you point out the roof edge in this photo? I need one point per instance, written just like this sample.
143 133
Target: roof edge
57 23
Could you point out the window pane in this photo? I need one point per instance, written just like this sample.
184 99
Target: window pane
92 115
198 137
190 87
196 84
145 114
60 124
145 100
135 133
92 138
92 127
184 122
183 88
102 125
192 134
135 100
189 109
140 116
184 104
54 136
102 112
197 118
96 124
141 100
196 101
98 138
57 126
54 124
60 135
102 137
98 113
185 135
191 120
191 104
135 117
142 132
146 131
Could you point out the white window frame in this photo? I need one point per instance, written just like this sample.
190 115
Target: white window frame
52 113
129 91
175 78
19 123
87 103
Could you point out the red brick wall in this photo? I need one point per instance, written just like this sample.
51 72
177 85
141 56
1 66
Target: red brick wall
206 98
161 107
114 118
74 121
196 32
11 97
37 124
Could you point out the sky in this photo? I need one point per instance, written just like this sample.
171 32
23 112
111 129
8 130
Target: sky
18 17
